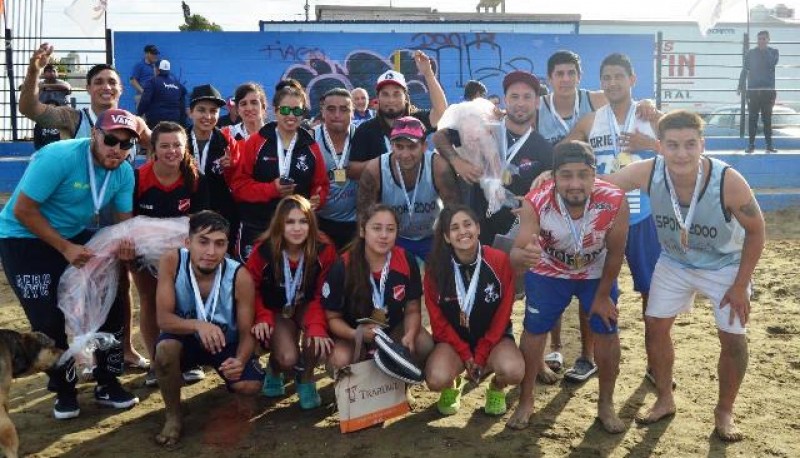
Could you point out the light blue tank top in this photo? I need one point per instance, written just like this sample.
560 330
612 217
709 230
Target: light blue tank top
341 203
715 237
601 138
426 207
550 127
225 314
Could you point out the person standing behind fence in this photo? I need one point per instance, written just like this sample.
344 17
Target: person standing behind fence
144 71
759 74
164 98
53 89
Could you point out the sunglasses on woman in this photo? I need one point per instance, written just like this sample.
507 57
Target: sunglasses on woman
286 111
110 140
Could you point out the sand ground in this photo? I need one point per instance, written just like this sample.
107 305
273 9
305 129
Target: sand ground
215 424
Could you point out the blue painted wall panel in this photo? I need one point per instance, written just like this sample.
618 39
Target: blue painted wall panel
322 60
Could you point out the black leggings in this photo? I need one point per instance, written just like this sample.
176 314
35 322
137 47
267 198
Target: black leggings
761 102
33 269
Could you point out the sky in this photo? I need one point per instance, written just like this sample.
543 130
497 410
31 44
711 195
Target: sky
243 15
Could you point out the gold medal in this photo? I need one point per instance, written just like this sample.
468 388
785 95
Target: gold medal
463 320
624 158
288 311
684 239
578 260
379 315
507 177
339 176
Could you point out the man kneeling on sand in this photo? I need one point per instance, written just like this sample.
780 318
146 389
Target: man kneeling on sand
204 304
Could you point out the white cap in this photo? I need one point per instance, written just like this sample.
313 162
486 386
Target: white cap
164 65
391 77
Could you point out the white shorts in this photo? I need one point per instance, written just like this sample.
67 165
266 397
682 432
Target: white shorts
674 287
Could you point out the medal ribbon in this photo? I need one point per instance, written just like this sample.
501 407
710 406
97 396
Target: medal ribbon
616 130
378 291
200 156
577 236
97 198
511 152
285 158
205 311
292 282
567 126
466 297
686 223
413 199
326 140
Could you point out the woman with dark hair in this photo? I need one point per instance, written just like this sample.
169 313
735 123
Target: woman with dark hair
469 292
167 186
378 281
251 105
279 160
288 265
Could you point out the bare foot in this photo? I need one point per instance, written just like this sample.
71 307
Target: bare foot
609 419
660 410
724 427
546 376
171 432
521 416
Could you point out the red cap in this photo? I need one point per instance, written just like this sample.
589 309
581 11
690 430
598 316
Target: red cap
519 76
408 127
114 119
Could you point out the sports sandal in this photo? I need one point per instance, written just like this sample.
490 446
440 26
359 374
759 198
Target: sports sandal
450 398
582 370
495 401
273 385
309 396
554 361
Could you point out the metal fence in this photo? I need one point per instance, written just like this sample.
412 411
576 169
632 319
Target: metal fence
706 80
75 54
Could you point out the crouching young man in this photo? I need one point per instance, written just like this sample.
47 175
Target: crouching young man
204 306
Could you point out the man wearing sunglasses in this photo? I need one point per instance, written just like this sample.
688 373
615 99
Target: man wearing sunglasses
43 229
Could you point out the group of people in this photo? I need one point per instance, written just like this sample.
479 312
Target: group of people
302 242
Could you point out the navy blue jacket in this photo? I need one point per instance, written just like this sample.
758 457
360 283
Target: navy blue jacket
163 99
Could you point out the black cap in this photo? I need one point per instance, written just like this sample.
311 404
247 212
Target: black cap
206 92
573 152
151 49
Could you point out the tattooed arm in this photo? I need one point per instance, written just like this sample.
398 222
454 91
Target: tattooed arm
741 203
444 179
369 186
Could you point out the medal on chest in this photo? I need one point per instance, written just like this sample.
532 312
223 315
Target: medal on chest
339 176
466 294
292 285
379 313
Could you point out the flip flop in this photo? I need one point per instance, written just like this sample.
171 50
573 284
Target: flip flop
554 361
143 364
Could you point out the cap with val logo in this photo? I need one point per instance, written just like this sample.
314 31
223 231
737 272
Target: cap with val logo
409 128
391 77
115 119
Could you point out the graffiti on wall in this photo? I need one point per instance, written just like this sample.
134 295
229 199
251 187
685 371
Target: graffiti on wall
323 60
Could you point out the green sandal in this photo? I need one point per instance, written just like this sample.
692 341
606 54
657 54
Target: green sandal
309 396
495 401
450 399
273 385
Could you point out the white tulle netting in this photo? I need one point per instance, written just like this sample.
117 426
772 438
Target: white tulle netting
86 295
480 133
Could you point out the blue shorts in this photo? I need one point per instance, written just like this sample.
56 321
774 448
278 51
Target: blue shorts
641 251
194 354
419 248
548 297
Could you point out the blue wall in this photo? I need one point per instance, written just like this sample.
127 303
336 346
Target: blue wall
323 60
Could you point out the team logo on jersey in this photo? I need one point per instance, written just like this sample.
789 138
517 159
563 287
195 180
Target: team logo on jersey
399 292
183 205
491 294
302 165
216 167
326 290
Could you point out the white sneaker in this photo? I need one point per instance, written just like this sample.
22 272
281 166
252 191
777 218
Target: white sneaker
194 375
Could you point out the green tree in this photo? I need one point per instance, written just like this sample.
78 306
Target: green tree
196 22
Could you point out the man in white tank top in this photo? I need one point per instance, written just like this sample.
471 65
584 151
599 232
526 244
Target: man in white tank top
701 208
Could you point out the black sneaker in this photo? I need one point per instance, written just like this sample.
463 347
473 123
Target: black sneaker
750 148
66 406
113 395
771 149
